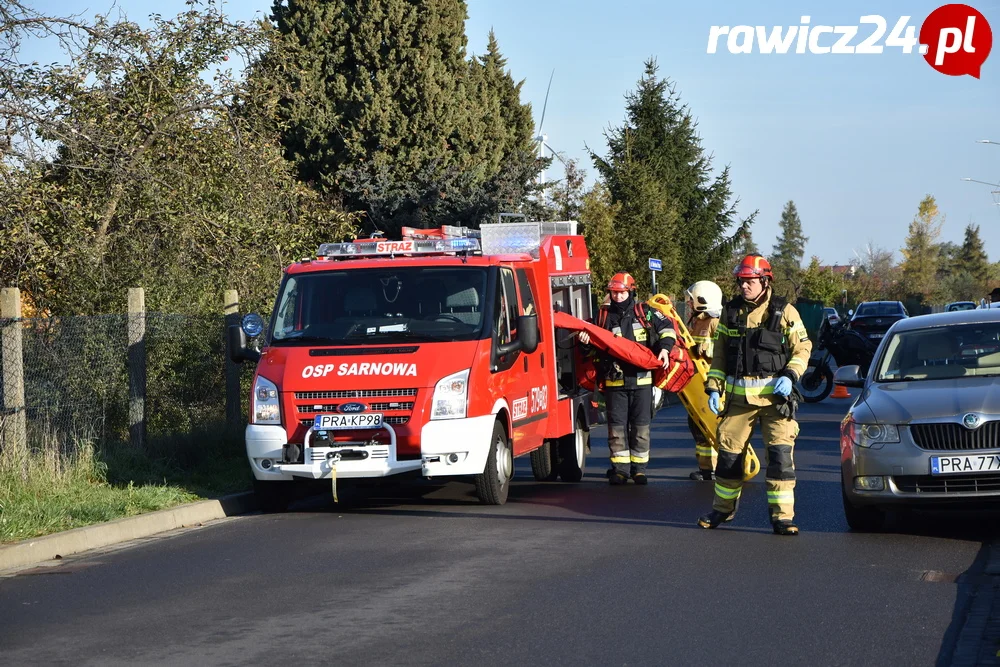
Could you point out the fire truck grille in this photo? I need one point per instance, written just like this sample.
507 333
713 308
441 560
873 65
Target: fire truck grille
372 407
353 393
308 404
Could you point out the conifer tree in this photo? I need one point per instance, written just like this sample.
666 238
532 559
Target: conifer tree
657 153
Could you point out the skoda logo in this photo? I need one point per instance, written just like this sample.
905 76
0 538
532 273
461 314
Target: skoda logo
353 407
970 421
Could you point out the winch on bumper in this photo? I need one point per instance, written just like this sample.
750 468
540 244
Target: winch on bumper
273 458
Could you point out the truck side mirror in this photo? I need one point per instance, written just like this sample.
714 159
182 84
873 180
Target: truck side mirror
527 332
527 336
236 346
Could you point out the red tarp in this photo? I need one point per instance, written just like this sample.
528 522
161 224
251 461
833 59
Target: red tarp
621 348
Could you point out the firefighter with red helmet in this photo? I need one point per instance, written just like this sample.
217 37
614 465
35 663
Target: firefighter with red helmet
761 350
628 390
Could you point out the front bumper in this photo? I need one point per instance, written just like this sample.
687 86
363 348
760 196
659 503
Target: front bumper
456 446
906 473
362 459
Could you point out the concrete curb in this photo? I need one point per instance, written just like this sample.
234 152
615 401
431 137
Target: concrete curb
38 550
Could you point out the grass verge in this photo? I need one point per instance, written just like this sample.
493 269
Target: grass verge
64 483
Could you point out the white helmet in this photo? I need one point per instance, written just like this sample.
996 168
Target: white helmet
705 297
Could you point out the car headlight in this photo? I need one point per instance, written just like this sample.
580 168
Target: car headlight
876 435
265 402
451 396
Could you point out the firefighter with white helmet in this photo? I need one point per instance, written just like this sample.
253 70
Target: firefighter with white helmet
761 350
628 390
704 302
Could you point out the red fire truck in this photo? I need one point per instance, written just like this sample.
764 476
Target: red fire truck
434 354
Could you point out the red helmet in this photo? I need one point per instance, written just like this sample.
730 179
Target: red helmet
621 282
753 266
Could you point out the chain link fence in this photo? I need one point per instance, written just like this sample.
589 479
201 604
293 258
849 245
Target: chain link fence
100 378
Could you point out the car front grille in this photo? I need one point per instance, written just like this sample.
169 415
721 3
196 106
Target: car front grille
954 437
989 483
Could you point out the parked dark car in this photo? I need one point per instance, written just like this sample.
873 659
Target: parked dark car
873 318
959 305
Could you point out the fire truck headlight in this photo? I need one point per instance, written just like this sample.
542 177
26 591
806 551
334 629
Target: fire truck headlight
265 402
451 396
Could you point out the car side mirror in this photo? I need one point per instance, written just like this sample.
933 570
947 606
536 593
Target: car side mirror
849 376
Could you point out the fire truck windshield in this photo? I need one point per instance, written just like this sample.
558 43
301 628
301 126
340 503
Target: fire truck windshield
359 306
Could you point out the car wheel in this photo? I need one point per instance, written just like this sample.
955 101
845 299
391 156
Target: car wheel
493 484
862 519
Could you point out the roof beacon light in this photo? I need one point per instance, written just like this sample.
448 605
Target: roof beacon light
405 247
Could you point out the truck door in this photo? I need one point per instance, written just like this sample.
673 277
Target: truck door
512 380
537 366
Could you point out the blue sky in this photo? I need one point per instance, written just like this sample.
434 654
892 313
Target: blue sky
855 140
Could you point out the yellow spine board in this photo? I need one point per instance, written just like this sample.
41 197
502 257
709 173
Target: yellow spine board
693 396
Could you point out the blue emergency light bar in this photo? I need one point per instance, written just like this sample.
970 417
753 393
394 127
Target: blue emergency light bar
376 248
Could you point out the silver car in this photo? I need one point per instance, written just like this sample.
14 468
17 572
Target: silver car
926 427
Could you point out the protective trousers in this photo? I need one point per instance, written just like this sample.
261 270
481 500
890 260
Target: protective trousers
779 434
703 451
628 427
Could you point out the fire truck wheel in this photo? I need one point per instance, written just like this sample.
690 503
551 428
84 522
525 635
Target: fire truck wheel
273 497
493 483
573 452
544 464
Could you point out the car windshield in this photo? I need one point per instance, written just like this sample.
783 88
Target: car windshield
384 305
878 310
941 353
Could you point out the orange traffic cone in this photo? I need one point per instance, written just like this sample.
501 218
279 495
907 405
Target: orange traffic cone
840 391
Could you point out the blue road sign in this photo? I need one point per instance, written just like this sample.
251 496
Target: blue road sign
655 264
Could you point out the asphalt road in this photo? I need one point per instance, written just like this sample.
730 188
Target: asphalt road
583 574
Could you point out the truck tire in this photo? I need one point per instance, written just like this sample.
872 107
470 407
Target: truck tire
543 463
493 484
273 497
573 453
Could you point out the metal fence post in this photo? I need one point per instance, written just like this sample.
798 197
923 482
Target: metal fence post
231 310
137 366
13 420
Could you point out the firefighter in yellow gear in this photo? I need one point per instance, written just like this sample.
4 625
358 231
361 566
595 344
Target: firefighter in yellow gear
761 350
704 302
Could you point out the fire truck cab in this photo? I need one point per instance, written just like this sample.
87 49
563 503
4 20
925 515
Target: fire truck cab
434 354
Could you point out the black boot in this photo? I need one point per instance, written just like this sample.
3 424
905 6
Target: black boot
702 476
640 478
617 478
714 518
784 527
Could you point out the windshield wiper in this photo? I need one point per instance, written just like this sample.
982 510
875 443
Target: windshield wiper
305 339
407 335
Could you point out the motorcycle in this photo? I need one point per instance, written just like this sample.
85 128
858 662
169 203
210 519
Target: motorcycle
839 345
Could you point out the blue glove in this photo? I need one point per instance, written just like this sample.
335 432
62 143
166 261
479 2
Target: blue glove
713 401
783 387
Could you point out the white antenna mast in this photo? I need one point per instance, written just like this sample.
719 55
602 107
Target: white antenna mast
542 137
